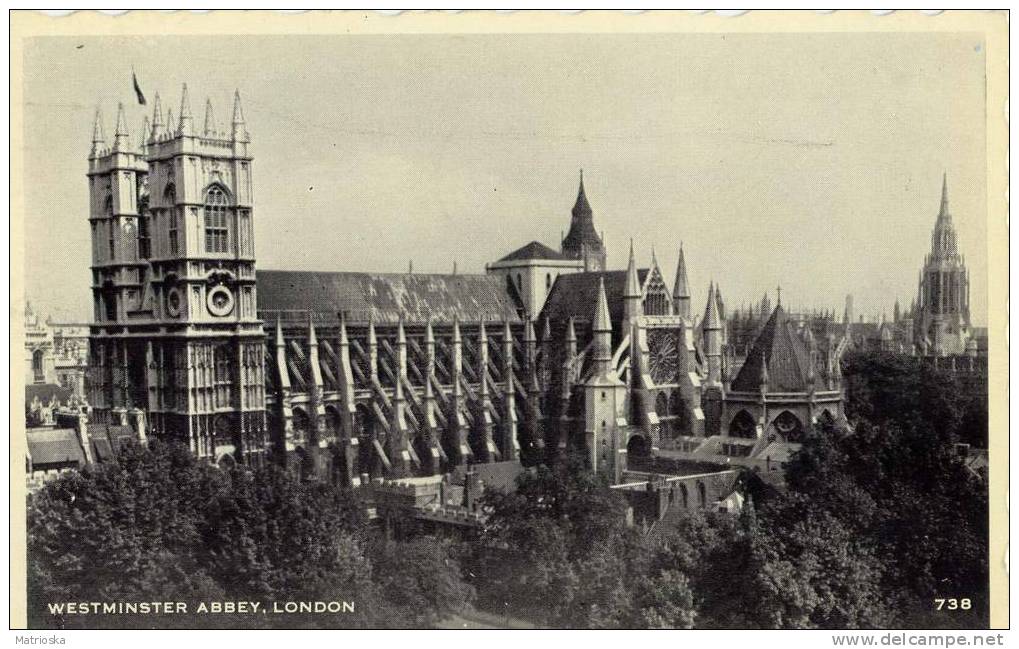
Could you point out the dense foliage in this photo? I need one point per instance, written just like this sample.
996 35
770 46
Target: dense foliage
161 526
873 526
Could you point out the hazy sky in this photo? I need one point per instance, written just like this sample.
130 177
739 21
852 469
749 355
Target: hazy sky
810 161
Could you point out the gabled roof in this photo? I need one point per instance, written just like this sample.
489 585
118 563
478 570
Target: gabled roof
533 250
54 447
786 359
576 295
385 297
45 392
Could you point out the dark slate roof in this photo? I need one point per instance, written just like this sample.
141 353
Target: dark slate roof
786 356
384 297
46 391
54 446
576 295
533 250
108 439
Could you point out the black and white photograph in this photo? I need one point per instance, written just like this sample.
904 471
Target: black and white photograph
432 321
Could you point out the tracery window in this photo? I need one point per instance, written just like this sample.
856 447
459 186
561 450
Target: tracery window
216 229
144 241
174 245
223 361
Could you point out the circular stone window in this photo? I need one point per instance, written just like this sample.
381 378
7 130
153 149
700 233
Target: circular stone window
220 301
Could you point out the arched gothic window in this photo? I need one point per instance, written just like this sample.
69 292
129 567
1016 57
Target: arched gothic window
37 356
743 425
789 426
216 227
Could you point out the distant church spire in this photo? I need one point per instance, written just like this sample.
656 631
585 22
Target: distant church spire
943 212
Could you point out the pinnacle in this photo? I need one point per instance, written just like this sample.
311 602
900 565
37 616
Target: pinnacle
601 314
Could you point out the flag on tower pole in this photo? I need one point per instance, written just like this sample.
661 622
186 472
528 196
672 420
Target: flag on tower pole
137 88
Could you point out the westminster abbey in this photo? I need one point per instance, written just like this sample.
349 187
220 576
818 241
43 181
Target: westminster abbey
353 376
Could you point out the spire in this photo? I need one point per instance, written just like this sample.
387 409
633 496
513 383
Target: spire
187 125
602 322
143 137
240 133
681 289
582 241
238 111
171 129
632 287
943 212
312 338
529 331
210 119
120 138
711 311
157 119
581 207
98 137
344 341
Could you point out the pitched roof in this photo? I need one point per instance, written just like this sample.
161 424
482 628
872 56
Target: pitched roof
533 250
576 295
54 446
785 357
46 392
385 297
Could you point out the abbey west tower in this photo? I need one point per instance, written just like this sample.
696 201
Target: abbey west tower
176 344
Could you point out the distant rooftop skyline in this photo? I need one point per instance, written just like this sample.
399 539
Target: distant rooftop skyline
808 161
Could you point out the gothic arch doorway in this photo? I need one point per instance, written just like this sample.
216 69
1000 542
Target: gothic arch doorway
638 447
